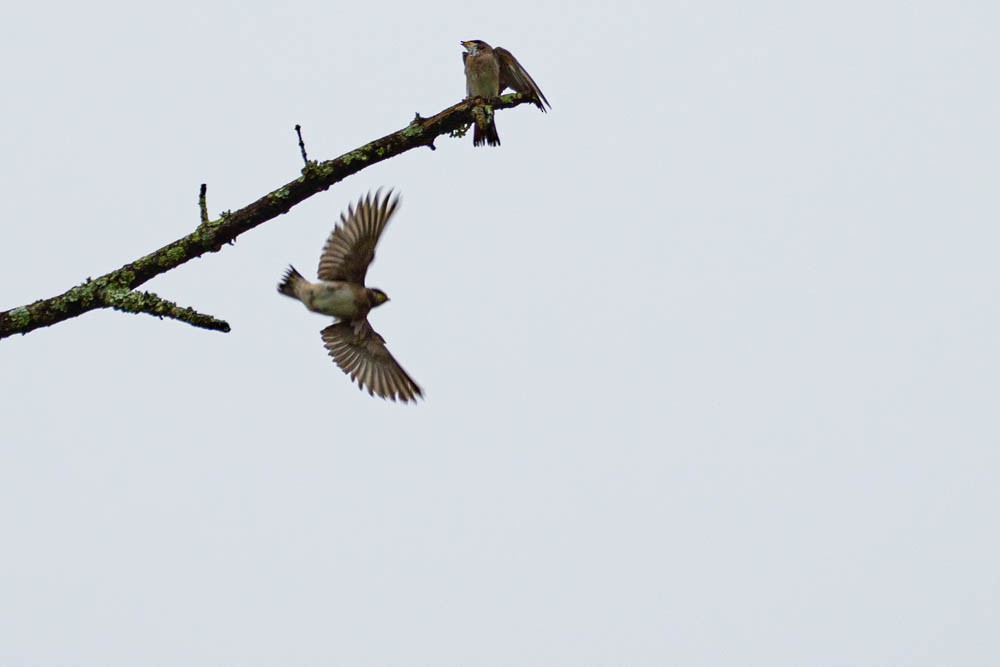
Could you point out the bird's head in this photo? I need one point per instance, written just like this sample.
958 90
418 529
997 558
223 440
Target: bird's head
378 297
474 46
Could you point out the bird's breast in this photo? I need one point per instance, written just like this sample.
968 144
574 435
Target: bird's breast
482 76
337 299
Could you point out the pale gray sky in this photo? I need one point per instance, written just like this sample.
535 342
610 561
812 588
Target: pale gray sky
709 351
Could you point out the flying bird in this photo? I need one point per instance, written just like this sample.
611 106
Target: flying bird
488 72
341 292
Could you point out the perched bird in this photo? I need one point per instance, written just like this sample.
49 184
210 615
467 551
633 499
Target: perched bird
488 72
357 348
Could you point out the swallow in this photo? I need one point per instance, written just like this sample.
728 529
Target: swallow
355 346
488 72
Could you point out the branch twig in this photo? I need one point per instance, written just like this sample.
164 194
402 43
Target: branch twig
203 203
302 144
133 301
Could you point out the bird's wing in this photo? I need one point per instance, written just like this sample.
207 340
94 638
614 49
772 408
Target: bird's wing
351 246
361 353
513 76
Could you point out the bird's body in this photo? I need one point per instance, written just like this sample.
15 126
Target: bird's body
488 72
341 292
340 299
482 73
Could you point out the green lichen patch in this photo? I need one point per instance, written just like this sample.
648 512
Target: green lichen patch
460 131
413 130
21 317
360 154
176 254
122 298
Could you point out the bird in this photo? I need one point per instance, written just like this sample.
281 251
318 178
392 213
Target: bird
488 72
355 346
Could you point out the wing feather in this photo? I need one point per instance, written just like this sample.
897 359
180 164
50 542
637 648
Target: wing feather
350 248
513 76
360 352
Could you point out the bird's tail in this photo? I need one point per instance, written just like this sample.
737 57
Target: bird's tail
485 133
290 282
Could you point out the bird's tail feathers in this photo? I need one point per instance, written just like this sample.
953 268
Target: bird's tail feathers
485 135
290 282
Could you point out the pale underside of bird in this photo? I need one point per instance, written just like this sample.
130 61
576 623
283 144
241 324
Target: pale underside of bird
488 72
355 346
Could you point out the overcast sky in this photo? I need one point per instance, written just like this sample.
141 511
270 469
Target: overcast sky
709 351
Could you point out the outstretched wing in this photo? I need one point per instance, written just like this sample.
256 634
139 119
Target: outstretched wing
513 76
351 246
361 353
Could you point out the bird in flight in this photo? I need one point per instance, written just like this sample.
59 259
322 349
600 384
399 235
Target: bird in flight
355 346
488 72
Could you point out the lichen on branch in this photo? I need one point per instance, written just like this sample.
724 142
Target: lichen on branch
117 288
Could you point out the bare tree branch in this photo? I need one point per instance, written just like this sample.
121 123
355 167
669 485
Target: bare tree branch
117 288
